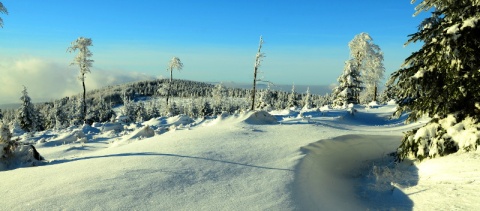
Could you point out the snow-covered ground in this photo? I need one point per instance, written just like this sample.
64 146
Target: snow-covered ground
283 160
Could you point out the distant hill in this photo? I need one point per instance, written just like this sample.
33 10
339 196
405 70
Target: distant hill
314 89
9 106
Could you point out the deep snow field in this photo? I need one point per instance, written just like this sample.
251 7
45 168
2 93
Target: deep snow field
283 160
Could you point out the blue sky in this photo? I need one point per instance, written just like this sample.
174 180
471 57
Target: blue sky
306 42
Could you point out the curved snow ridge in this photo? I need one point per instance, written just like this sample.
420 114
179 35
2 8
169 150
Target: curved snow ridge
333 175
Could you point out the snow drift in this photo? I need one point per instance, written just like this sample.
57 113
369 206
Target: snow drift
260 118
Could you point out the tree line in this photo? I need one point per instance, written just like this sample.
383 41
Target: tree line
140 101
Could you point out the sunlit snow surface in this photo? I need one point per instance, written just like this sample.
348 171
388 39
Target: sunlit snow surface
319 159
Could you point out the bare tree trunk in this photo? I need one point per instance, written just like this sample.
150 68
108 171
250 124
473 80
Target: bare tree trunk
257 64
375 93
170 84
169 90
254 87
84 101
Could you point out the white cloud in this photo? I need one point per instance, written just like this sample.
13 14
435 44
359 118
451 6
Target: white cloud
47 80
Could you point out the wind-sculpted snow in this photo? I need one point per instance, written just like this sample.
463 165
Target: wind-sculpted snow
241 161
142 133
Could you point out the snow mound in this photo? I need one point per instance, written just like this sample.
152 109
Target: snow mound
112 127
260 118
144 132
175 120
154 122
66 138
179 120
285 112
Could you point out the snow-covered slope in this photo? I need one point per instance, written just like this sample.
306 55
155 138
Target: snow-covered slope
252 161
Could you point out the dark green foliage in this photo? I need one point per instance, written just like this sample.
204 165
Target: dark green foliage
443 77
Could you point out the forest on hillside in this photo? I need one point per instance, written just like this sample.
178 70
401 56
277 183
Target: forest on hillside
141 101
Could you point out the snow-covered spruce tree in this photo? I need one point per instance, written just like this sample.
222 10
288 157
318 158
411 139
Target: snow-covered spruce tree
129 108
292 99
205 109
84 62
152 109
349 86
4 11
61 118
174 63
307 100
6 144
26 115
258 60
141 112
368 59
265 99
103 110
218 94
191 109
77 114
441 80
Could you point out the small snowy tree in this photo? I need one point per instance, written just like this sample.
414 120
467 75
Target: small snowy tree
307 100
61 118
205 109
6 144
292 99
4 11
265 100
441 80
258 60
128 110
152 109
77 114
84 62
218 94
141 112
26 114
349 86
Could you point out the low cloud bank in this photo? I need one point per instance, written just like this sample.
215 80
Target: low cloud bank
48 80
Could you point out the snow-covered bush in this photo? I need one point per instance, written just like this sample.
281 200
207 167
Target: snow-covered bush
441 137
14 154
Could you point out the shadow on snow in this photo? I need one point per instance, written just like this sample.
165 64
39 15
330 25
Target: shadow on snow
165 155
353 172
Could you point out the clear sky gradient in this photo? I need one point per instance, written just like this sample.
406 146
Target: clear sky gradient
306 42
